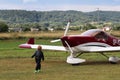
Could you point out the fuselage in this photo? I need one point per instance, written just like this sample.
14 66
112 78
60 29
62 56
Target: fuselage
91 38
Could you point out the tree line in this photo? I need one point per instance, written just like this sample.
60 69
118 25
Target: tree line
56 19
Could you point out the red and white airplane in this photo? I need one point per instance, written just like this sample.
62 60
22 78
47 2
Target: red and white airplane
94 40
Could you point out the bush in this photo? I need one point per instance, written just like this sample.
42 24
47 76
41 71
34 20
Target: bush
3 27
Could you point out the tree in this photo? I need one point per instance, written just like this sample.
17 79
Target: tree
89 26
3 27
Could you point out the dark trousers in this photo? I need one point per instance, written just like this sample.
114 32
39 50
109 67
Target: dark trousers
38 64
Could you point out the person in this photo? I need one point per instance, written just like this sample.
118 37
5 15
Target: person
38 57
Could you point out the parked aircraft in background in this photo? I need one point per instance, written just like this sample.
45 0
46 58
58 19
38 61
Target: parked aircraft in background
93 40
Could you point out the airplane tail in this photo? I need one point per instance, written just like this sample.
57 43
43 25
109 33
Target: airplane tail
30 41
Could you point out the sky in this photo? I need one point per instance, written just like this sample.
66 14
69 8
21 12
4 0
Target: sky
50 5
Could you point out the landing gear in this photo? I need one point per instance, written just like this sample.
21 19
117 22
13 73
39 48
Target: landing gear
74 61
112 59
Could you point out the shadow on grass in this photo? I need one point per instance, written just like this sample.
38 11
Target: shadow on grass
95 63
83 64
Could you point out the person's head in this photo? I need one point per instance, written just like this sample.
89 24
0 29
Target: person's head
39 48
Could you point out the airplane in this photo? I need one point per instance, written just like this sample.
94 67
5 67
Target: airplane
90 41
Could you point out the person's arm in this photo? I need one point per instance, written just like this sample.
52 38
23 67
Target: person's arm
33 55
42 55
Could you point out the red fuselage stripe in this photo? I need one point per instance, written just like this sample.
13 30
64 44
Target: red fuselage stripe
77 40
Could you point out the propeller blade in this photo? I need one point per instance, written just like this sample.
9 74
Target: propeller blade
67 27
57 40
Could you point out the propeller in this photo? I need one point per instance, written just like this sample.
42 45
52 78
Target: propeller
65 33
57 40
67 27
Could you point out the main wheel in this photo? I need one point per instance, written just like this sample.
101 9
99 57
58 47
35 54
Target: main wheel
113 59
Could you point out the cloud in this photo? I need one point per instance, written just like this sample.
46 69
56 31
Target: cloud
44 7
116 0
84 8
27 1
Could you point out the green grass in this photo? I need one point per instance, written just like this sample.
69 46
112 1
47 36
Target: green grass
17 64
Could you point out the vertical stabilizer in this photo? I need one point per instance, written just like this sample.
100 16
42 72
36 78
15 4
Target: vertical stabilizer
30 41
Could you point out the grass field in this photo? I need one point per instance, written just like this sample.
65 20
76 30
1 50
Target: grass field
17 64
44 35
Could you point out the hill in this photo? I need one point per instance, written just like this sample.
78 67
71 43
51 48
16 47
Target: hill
23 16
105 16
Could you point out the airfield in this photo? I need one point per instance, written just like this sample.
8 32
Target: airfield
17 64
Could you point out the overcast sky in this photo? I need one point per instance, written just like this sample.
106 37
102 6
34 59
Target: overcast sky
48 5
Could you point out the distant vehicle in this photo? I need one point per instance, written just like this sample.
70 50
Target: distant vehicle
93 40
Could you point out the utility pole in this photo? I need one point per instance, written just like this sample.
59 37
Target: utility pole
98 15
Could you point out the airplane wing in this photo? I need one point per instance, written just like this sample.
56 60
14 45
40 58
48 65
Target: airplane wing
45 47
100 49
30 45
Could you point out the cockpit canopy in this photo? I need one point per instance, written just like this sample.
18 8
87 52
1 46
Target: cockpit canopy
97 33
91 32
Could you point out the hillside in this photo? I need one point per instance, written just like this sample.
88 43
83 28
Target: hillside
56 18
23 16
105 16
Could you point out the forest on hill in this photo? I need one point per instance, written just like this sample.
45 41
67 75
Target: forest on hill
23 18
